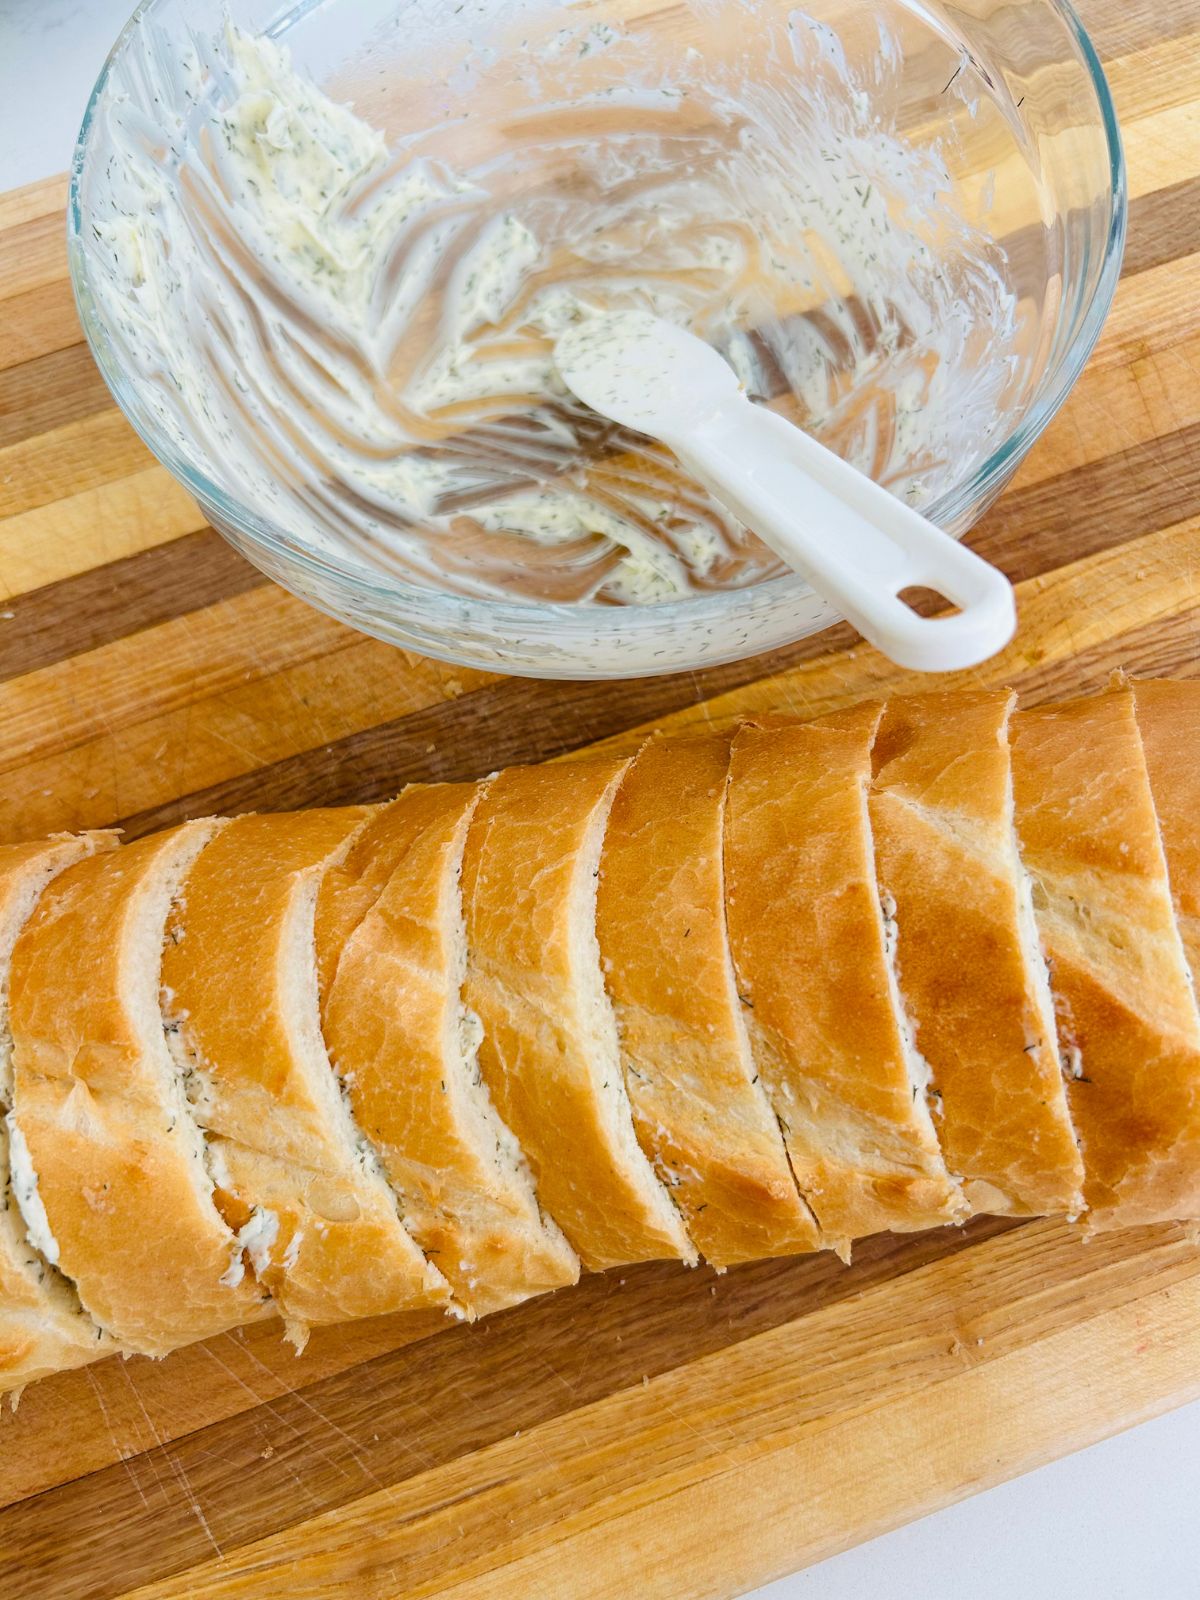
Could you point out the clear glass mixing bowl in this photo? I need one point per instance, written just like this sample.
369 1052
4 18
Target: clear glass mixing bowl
1008 92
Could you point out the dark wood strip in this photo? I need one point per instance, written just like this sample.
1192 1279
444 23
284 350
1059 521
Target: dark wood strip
1103 503
1163 226
1166 647
1130 493
63 386
508 723
82 613
1028 533
414 1409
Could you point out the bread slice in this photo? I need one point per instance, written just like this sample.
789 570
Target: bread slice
812 950
121 1166
391 944
1168 718
970 966
549 1052
1126 1011
43 1326
296 1175
701 1114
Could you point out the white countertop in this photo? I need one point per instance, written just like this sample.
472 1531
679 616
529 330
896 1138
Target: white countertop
1120 1521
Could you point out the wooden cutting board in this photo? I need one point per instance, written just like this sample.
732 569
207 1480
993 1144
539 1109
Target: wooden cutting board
659 1432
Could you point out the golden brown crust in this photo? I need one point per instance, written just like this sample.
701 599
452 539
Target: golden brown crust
549 1053
1168 717
239 977
116 1157
394 1025
699 1110
942 816
808 944
1127 1018
43 1327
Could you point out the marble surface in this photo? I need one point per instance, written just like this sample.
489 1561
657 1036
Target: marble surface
1120 1521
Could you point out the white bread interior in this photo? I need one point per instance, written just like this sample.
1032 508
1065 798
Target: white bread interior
969 964
296 1174
700 1110
407 1048
549 1052
43 1326
1125 1005
102 1108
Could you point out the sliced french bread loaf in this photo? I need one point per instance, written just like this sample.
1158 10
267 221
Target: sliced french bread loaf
391 946
969 962
43 1326
549 1051
701 1114
1126 1011
121 1167
812 950
296 1176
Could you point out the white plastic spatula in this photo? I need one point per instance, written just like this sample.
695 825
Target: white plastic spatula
855 543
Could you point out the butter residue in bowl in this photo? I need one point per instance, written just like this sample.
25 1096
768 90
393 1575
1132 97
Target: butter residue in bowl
356 340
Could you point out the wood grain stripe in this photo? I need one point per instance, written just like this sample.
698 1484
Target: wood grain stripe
891 1462
1051 521
47 197
1163 227
442 1524
36 323
83 532
1124 27
516 720
110 1420
68 460
45 393
123 597
314 1435
1138 399
34 253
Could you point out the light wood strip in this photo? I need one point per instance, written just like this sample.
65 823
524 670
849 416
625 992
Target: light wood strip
1114 407
68 460
1129 27
1109 604
38 323
34 253
1163 148
47 197
1150 312
291 680
232 646
114 1412
777 1403
588 1335
892 1466
101 524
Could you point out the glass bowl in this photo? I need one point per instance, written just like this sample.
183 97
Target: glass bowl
1008 94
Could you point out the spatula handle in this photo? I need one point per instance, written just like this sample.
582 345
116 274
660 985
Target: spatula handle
855 542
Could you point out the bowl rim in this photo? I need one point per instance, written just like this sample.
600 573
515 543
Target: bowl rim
572 624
